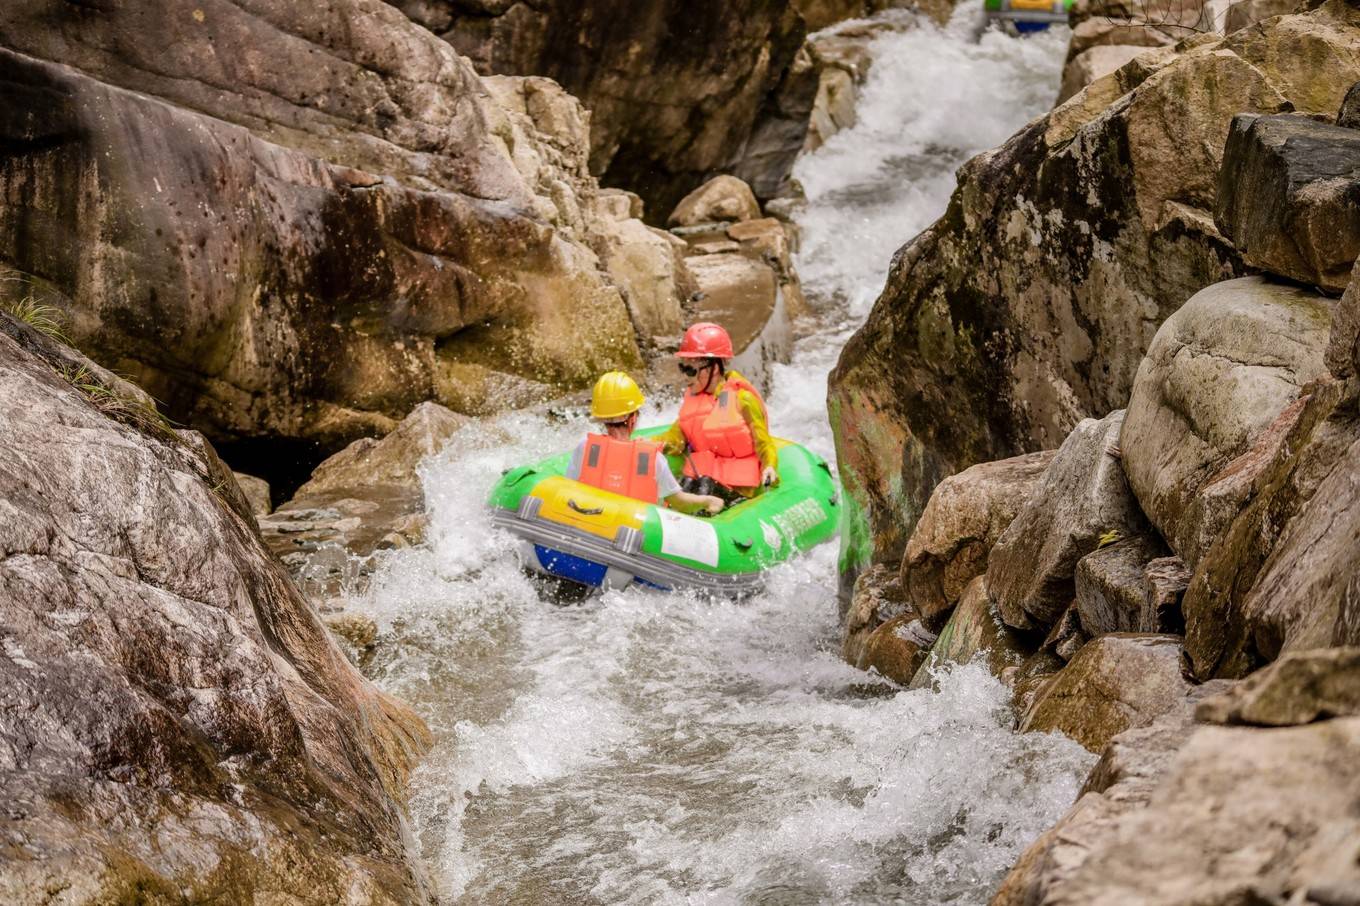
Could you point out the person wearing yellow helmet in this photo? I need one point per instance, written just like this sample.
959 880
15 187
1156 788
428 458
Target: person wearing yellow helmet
614 461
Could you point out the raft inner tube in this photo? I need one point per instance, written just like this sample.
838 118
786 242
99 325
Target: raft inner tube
593 537
1035 14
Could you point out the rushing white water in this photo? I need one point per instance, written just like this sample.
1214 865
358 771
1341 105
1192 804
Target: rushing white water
648 748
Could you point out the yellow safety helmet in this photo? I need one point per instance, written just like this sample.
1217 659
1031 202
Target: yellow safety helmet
615 396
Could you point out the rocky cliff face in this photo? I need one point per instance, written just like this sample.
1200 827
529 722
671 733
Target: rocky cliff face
295 223
1028 306
177 724
676 90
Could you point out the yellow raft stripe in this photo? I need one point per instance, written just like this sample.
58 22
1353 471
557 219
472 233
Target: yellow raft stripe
559 494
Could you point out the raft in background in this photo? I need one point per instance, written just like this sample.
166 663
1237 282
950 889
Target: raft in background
1028 15
593 537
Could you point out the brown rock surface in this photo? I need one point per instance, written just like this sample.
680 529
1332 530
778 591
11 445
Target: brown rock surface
367 497
1299 688
1343 343
1082 497
1215 379
1028 305
964 517
257 493
178 724
294 223
1095 62
1117 682
721 198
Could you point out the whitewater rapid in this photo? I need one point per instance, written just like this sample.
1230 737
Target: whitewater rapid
648 748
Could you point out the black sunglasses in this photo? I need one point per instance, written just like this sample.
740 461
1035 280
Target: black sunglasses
691 371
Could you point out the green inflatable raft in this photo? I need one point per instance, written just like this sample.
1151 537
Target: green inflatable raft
597 538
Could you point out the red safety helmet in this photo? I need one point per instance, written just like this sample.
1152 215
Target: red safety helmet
706 340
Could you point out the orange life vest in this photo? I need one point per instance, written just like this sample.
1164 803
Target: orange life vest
626 467
720 442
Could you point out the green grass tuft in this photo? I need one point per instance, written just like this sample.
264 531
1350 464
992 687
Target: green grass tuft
134 413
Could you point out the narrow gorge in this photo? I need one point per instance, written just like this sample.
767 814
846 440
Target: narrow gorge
1072 314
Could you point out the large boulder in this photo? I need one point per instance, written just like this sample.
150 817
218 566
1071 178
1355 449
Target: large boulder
1343 343
1082 498
1216 377
1234 815
1028 305
1095 62
677 90
1117 682
177 723
1283 575
721 198
963 519
1289 197
301 221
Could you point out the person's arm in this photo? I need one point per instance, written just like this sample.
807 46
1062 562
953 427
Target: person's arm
754 414
685 502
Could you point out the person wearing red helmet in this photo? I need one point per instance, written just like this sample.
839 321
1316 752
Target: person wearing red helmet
723 429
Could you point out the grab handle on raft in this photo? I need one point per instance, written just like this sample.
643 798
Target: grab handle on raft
743 546
585 510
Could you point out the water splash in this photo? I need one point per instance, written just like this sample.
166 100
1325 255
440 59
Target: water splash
648 748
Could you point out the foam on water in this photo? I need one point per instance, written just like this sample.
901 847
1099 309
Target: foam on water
648 748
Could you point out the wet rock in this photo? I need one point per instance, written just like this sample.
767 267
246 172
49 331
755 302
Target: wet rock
896 649
1112 586
1213 384
1299 688
877 597
256 491
974 632
1239 815
1028 305
1123 780
1094 63
371 237
1115 683
1289 197
1081 498
1067 636
358 631
367 497
178 723
722 198
963 519
1349 114
1283 575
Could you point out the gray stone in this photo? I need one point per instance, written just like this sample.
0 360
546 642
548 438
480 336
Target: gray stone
1115 683
1112 587
1243 13
178 724
1082 496
1210 391
1289 197
1164 583
1299 688
1343 344
963 519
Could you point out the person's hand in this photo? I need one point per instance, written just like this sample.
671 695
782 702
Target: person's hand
769 476
713 505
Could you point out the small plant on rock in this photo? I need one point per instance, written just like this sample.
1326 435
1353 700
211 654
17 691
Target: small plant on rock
132 412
